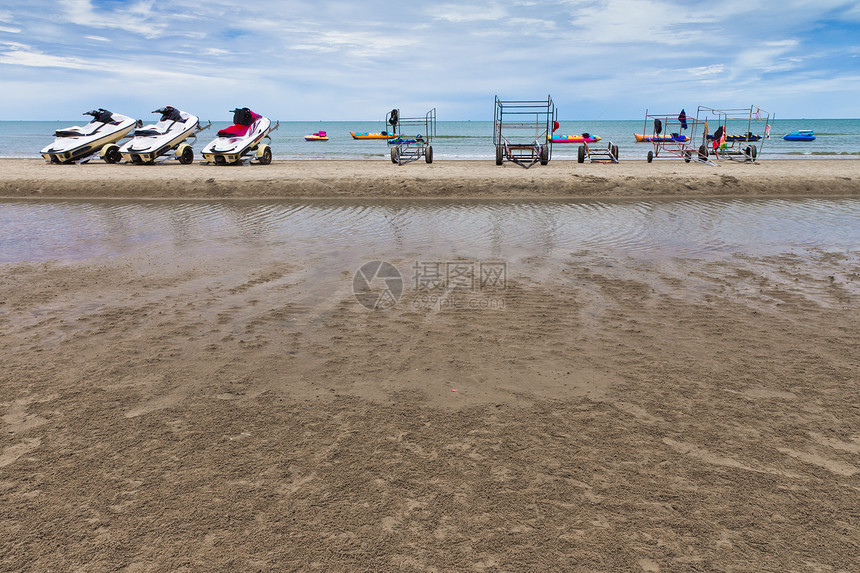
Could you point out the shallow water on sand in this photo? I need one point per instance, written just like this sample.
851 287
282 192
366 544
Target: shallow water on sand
701 228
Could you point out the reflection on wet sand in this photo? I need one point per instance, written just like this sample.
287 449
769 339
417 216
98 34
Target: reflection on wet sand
641 229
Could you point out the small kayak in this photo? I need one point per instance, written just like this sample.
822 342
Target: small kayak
640 137
365 135
584 138
801 135
318 136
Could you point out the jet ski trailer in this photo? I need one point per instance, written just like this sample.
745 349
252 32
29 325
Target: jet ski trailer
78 144
170 134
243 141
522 131
412 136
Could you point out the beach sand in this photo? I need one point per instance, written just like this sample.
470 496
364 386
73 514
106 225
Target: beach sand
199 413
380 178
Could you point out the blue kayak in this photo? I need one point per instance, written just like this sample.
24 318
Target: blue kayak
802 135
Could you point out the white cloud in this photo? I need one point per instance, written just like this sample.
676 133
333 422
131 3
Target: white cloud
461 13
137 18
705 71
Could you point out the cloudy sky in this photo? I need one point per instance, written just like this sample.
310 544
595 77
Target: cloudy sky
333 60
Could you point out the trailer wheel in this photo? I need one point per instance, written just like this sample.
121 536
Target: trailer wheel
544 154
688 156
703 153
428 154
499 155
264 155
137 160
393 155
580 154
220 160
750 153
185 154
650 156
614 151
111 154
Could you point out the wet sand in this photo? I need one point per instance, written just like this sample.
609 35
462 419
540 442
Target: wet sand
202 410
381 178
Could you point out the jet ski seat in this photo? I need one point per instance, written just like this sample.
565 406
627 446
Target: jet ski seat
77 131
101 117
169 116
159 128
242 120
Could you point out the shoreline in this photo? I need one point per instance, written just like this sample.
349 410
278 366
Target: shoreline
379 179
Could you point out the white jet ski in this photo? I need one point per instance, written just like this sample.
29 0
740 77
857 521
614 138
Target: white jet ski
241 141
79 143
159 139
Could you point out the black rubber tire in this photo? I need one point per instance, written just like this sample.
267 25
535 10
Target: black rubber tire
544 154
220 160
499 155
393 155
614 151
580 154
266 157
703 153
688 156
650 156
754 152
136 160
187 156
428 154
113 155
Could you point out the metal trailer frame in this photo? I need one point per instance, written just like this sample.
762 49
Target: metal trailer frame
674 146
745 147
506 127
412 136
585 152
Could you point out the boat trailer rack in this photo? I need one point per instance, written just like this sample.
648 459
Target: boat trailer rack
412 136
587 153
743 146
667 137
522 131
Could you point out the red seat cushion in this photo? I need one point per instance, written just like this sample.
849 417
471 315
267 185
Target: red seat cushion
234 131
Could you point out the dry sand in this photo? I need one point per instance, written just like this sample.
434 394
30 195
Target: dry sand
192 415
662 178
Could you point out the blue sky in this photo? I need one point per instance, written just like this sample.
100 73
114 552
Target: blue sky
332 60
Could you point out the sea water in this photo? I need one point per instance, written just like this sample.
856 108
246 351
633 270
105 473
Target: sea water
463 140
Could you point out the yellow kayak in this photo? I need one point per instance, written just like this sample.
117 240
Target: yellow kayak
372 135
